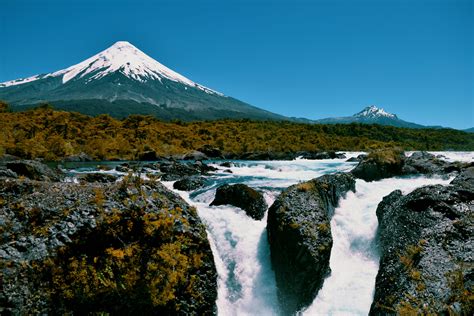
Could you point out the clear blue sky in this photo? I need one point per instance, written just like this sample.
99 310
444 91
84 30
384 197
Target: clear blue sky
309 59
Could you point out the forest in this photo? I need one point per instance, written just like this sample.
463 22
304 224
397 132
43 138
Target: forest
52 135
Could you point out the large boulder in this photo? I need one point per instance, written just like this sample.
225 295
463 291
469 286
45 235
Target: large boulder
422 162
380 164
189 183
318 155
81 157
211 152
174 170
243 196
114 248
300 238
98 177
195 155
427 251
149 155
34 170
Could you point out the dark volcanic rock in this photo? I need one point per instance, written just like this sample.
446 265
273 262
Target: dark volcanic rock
174 170
322 155
149 155
98 177
211 152
34 170
195 155
125 167
357 159
240 195
425 163
7 157
300 238
427 251
380 164
7 173
227 164
189 183
79 158
389 163
114 248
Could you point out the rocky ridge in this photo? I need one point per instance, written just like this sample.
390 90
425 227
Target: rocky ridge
299 235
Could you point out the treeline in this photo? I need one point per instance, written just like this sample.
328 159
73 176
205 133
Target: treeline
46 133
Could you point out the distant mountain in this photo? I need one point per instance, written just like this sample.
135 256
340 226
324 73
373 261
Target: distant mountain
123 80
371 115
470 130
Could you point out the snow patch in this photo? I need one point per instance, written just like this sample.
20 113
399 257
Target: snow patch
374 112
121 57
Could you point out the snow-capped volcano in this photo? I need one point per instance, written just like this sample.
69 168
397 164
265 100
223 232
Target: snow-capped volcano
370 115
123 80
121 57
374 112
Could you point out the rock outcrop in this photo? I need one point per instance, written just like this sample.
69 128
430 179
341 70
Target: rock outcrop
300 238
98 177
379 165
175 170
189 183
242 196
211 152
322 155
81 157
35 170
195 155
390 163
92 248
427 250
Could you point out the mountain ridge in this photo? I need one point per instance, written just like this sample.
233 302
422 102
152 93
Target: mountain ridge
124 74
372 115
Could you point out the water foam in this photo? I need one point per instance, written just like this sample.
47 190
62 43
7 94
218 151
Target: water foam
354 259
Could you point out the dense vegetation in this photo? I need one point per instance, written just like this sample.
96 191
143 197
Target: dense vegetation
46 133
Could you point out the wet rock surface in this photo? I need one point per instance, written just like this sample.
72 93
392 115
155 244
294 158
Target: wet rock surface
242 196
98 177
189 184
391 163
299 234
322 155
427 250
102 247
175 170
379 165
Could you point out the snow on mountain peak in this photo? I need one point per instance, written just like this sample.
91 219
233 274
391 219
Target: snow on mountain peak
121 57
374 112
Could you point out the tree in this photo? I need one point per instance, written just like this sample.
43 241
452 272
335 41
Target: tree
4 107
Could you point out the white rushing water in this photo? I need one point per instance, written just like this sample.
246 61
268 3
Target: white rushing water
242 255
354 259
246 283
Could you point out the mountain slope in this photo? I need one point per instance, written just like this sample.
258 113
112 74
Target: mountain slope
123 80
371 115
